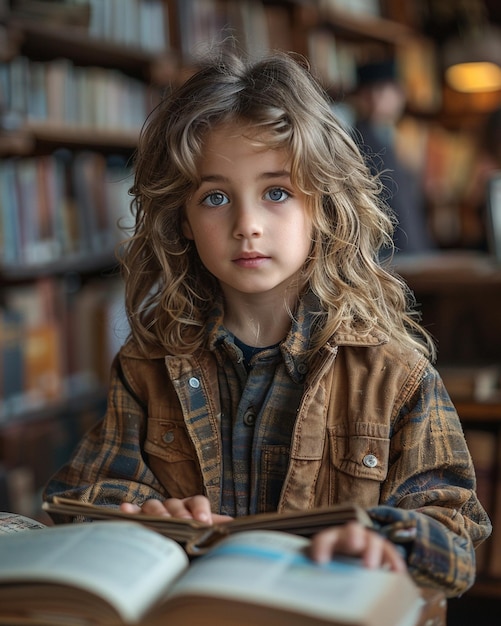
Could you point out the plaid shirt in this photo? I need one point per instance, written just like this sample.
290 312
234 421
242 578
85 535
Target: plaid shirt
374 424
259 404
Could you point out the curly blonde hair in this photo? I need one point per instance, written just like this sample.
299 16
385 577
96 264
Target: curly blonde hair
169 293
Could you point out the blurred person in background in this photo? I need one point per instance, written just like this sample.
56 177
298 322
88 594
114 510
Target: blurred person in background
379 103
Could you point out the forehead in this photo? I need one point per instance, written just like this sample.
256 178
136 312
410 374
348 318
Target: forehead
232 141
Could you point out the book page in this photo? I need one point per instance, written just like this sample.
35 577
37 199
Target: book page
199 537
271 568
127 564
13 523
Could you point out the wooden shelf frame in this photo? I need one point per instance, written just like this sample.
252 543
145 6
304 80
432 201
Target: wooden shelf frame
45 41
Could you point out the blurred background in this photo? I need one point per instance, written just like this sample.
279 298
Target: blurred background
417 83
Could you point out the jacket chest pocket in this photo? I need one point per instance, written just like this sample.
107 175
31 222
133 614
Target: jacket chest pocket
167 439
359 463
172 457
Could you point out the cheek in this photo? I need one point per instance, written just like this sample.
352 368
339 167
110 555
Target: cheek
296 239
198 229
305 239
207 238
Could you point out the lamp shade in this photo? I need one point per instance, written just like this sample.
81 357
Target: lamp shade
473 63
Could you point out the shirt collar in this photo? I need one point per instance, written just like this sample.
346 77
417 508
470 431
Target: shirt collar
294 348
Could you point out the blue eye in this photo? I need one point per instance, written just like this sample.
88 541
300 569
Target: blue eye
277 194
215 199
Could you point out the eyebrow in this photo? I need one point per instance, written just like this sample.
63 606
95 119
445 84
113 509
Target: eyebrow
215 178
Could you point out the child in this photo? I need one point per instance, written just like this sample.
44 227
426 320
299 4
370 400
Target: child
274 363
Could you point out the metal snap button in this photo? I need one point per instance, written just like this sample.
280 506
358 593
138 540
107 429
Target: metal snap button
194 382
168 437
370 460
302 368
249 418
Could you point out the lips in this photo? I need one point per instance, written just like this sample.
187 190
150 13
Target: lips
250 259
249 255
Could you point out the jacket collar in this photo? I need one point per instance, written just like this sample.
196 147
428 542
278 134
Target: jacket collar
349 337
293 347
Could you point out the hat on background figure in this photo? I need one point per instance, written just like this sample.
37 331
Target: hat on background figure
376 72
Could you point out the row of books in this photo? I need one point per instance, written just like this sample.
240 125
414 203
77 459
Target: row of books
138 23
62 205
333 60
205 23
57 339
30 455
60 92
258 26
444 160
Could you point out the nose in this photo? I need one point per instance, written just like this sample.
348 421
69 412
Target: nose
247 221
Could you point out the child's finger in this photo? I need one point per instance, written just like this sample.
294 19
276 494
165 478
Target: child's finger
199 508
128 507
355 540
154 507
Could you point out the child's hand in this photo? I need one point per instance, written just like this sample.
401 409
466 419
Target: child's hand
194 507
353 539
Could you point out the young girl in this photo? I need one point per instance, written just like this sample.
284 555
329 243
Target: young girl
274 363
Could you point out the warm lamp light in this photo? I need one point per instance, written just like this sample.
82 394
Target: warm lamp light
473 63
474 77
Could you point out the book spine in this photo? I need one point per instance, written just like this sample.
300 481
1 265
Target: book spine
9 214
57 341
61 205
60 93
11 361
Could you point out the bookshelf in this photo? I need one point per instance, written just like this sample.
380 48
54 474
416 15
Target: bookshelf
73 97
460 300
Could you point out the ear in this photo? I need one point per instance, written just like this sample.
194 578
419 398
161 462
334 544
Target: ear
186 229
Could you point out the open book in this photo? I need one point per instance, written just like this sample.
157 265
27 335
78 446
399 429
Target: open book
197 537
122 573
13 523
